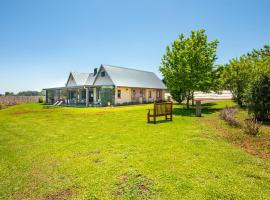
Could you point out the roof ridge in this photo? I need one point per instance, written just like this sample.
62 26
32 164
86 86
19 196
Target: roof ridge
127 68
81 72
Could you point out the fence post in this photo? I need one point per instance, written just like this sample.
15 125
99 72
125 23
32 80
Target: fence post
198 108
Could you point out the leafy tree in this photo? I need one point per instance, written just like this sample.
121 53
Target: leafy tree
9 94
257 96
216 78
177 95
29 93
239 73
235 78
188 64
248 78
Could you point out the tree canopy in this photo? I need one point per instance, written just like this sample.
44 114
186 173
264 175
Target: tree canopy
188 65
239 73
25 93
248 79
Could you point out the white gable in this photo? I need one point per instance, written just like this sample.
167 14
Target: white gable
103 80
71 81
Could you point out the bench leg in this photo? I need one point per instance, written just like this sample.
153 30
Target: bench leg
154 119
148 119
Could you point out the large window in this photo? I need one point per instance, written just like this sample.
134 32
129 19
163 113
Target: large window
83 94
72 94
119 94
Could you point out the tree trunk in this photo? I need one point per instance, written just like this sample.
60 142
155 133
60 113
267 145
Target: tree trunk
192 96
188 98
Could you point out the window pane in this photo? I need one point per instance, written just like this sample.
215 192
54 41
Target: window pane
119 93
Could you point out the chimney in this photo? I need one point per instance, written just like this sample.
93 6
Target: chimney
95 71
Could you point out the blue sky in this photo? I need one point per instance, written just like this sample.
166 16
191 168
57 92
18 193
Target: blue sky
42 41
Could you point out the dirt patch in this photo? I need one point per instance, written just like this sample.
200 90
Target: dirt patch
21 195
259 145
96 152
60 195
256 145
134 185
99 160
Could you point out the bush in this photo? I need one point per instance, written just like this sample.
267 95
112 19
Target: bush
251 126
228 115
40 100
259 97
107 96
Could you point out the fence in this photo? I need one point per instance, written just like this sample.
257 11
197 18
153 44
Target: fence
12 100
212 95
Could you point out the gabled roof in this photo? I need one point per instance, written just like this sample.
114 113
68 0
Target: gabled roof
128 77
82 78
90 79
119 76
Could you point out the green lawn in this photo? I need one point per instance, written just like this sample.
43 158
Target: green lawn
112 153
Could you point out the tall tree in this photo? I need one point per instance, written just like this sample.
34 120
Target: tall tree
238 74
188 64
235 77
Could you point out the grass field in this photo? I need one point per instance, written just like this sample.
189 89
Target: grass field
112 153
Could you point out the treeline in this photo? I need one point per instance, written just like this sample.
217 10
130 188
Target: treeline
24 93
189 65
248 78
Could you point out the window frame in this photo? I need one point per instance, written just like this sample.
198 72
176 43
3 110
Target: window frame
119 94
102 74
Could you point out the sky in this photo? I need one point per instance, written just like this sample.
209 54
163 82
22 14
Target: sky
42 41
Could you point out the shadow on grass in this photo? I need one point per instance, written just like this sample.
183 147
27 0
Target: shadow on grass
160 121
207 108
266 122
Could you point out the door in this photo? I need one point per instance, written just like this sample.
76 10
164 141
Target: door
91 96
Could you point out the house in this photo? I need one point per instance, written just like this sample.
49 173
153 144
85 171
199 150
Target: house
108 85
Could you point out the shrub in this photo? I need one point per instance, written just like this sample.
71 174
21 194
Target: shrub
107 96
259 97
40 100
251 126
228 115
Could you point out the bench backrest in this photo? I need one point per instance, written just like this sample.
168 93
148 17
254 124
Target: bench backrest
163 108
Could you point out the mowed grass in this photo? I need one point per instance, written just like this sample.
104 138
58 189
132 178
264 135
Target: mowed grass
112 153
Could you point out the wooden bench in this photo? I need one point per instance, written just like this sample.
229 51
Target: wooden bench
160 109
